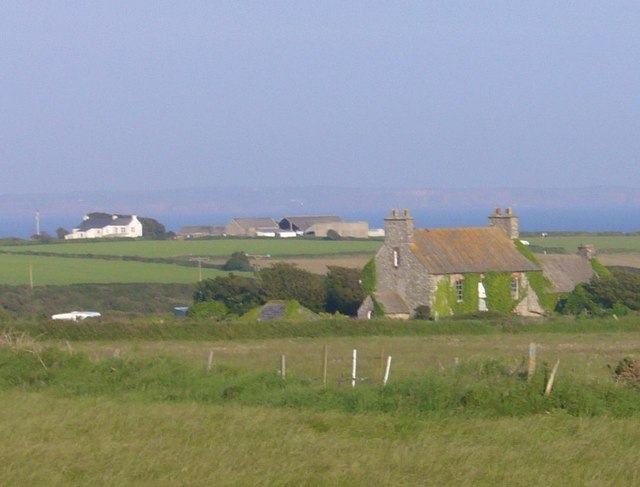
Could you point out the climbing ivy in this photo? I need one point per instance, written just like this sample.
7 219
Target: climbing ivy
441 306
498 287
538 282
369 277
600 269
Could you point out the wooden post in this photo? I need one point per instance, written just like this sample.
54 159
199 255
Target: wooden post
325 361
283 367
552 377
209 361
532 361
354 367
381 364
31 276
387 370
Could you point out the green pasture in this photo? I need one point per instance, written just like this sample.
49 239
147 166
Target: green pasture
603 244
19 269
57 441
216 248
147 412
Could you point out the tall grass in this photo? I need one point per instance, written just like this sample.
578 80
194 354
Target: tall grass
484 388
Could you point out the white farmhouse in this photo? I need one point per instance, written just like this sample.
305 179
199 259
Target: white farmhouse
102 225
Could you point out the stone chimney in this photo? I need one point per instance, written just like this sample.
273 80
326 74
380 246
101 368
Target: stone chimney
508 221
587 251
398 228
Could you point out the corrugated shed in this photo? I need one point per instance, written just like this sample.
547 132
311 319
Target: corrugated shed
566 271
460 250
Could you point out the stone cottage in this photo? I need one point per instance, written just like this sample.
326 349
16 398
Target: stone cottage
447 271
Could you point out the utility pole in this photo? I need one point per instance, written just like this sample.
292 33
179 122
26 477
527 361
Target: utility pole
37 223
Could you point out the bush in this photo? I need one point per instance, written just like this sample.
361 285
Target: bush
423 312
627 371
238 262
208 309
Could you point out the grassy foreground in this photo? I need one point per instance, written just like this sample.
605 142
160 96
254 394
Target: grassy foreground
95 441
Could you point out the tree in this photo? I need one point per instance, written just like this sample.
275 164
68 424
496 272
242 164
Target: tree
286 281
153 229
239 294
603 294
344 290
61 233
238 262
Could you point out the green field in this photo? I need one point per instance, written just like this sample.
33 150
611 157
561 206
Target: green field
217 248
56 441
147 412
17 270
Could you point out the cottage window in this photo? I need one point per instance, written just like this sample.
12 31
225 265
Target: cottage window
515 288
459 290
396 257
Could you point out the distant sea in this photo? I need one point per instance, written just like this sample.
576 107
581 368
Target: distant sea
609 219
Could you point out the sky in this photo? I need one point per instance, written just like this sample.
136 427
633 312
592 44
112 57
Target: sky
160 95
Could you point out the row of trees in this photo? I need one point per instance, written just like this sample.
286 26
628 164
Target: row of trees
340 291
616 292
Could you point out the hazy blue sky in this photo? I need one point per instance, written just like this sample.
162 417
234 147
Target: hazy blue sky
113 95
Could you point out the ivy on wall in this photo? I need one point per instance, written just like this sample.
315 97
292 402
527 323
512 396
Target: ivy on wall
369 277
538 282
369 283
600 269
498 287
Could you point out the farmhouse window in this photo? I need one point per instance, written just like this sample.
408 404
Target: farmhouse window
396 257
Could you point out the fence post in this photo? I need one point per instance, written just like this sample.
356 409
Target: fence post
325 361
209 361
387 370
532 361
547 390
283 367
354 367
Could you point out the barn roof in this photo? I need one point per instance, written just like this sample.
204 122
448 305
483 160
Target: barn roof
303 223
566 271
460 250
256 222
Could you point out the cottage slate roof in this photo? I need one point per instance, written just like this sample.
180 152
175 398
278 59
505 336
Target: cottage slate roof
102 221
392 303
566 271
303 223
460 250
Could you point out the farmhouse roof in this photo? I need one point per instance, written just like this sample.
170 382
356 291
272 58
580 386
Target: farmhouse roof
256 222
566 271
460 250
104 220
303 223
